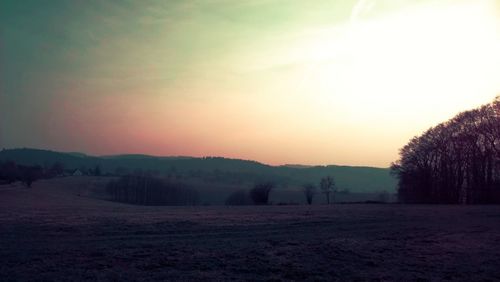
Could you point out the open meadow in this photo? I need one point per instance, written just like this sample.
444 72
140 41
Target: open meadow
59 230
264 140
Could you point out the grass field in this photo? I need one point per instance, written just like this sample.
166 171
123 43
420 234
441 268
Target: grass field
59 230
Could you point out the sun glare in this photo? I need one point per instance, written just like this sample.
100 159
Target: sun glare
314 82
437 59
379 79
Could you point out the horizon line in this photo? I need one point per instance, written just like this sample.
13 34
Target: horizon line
192 157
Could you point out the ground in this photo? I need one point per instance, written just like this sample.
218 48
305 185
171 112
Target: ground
57 230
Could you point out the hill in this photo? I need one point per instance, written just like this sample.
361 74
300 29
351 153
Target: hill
213 169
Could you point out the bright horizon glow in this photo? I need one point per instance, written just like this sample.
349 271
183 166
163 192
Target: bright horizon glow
351 90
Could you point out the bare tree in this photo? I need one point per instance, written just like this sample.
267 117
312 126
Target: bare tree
457 161
309 191
327 185
9 171
30 174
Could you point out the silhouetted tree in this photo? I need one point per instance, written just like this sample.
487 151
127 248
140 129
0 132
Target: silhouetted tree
328 187
457 161
309 191
29 174
9 171
260 193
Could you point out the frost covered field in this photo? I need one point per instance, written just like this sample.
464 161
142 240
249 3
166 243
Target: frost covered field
58 230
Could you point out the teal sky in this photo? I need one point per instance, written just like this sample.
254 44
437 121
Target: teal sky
275 81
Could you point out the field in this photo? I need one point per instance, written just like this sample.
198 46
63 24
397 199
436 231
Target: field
59 230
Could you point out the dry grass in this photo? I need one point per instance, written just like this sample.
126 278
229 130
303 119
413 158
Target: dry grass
58 230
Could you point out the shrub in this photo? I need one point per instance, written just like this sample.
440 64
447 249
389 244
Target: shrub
260 193
29 174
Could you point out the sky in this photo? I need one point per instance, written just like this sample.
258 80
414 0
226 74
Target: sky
281 82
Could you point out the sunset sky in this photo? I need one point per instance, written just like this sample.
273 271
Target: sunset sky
277 81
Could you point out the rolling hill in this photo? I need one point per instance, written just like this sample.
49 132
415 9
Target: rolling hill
213 169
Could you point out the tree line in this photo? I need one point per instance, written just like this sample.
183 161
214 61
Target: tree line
148 190
11 172
455 162
259 194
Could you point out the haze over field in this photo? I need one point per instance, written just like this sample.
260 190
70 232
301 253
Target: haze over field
321 82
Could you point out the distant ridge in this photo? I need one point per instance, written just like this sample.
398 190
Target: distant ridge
296 166
77 154
142 156
219 169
